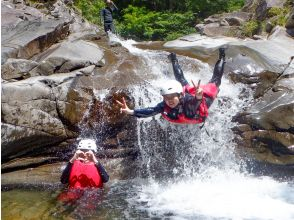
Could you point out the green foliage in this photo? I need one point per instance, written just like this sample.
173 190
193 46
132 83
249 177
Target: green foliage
234 5
250 28
90 9
205 8
138 22
278 15
157 19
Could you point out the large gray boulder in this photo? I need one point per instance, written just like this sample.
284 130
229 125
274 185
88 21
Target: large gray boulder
31 117
226 24
260 8
25 37
17 68
68 56
262 54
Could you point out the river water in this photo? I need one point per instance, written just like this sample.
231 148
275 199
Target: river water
186 172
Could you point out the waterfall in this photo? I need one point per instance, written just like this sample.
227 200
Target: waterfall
193 174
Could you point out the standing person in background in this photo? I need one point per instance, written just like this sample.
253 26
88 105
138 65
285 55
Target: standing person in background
106 16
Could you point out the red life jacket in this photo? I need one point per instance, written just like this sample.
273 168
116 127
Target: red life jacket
84 175
209 90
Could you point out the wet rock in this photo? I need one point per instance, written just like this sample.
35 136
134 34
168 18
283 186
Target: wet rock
69 56
226 24
46 174
260 8
25 38
25 162
35 111
49 174
17 69
268 27
257 37
270 146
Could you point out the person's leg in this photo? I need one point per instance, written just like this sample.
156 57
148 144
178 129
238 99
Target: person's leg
219 68
112 28
178 72
105 27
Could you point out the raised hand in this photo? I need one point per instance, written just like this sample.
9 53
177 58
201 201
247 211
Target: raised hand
198 90
79 155
124 107
91 156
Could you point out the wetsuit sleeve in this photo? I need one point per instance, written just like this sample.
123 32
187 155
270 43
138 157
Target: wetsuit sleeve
65 174
102 172
148 112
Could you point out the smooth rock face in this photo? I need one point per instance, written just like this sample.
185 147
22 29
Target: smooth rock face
31 37
17 69
68 56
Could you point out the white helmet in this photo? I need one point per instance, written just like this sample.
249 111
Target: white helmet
171 87
87 144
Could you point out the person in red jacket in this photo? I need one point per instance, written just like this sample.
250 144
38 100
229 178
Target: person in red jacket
83 171
183 103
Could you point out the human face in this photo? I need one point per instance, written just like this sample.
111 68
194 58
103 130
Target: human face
172 100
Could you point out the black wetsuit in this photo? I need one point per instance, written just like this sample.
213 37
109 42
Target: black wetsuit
66 173
188 103
106 15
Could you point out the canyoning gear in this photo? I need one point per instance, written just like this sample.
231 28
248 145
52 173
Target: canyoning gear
218 72
190 109
178 72
171 87
87 144
191 114
65 177
84 175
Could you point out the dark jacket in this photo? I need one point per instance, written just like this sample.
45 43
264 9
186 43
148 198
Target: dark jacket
106 14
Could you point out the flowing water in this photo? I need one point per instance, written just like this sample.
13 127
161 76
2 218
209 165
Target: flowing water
186 172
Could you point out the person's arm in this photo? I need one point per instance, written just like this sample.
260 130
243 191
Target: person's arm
114 6
140 113
102 172
65 174
150 111
91 157
102 15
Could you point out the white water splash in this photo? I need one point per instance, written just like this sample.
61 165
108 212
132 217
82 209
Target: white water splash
229 195
213 187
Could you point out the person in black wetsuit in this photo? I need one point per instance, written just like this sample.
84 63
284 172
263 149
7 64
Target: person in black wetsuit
106 16
183 103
